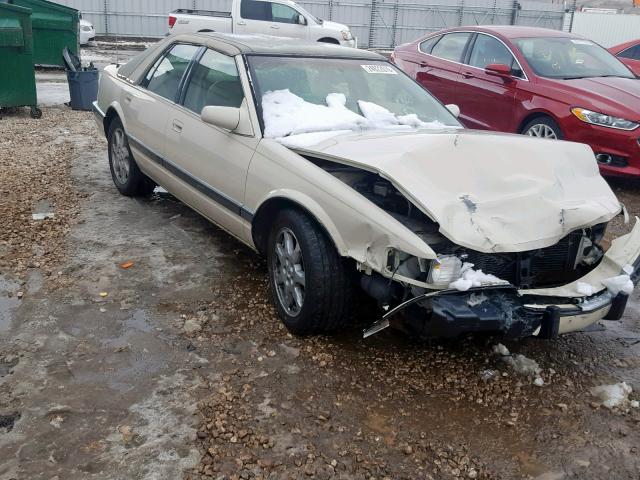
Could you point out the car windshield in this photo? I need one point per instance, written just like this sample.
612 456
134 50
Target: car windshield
301 95
570 58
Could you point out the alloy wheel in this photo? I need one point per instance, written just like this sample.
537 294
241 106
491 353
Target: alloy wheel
120 156
541 130
288 272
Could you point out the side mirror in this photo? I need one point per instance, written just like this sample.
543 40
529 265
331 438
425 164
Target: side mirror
498 69
223 117
454 109
302 20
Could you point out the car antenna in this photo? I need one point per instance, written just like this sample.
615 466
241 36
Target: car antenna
117 52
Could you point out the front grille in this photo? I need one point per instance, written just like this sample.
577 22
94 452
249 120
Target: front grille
551 266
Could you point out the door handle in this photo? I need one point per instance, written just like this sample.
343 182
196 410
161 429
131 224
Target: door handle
176 126
276 27
127 99
242 23
424 64
467 74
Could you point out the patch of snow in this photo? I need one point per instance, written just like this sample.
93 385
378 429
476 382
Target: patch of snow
628 269
42 216
611 396
634 404
621 283
51 93
286 114
523 365
487 375
585 289
500 349
538 382
473 278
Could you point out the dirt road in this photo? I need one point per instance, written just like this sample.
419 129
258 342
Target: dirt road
178 365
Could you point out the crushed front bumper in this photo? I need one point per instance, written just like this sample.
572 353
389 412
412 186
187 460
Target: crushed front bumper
546 312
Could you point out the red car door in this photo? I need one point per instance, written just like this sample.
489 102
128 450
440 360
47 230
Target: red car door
488 99
439 62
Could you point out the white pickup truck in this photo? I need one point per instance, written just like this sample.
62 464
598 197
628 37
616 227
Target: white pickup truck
281 18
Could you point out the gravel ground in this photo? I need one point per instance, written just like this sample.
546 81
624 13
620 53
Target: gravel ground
183 366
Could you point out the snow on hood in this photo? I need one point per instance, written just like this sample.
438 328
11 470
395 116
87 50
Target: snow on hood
489 192
286 115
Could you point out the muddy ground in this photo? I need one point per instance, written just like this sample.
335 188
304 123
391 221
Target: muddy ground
177 366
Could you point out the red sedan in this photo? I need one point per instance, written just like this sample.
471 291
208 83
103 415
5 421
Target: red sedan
629 54
534 81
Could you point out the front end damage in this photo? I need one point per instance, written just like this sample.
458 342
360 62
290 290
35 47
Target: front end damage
454 289
509 247
502 307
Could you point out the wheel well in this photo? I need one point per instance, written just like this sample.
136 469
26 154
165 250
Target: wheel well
111 114
329 40
265 215
533 116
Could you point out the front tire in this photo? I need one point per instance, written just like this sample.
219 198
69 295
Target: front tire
543 127
309 282
126 175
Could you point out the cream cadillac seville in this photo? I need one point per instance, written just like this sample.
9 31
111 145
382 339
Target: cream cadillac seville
347 175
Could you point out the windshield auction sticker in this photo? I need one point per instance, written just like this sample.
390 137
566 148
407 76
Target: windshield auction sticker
384 69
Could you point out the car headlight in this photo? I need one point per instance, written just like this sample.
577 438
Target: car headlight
86 29
346 35
444 270
603 120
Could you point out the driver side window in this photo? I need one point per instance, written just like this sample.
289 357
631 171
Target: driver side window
488 50
284 14
215 82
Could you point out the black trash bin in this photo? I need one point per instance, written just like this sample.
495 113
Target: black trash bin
83 88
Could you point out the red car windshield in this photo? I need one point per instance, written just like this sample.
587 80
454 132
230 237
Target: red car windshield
570 58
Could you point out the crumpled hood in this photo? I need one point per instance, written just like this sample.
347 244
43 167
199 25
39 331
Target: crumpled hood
489 192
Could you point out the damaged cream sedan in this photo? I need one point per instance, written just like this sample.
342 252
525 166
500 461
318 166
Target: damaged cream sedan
346 174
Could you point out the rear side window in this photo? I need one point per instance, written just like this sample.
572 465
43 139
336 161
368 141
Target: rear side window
164 77
632 53
214 82
451 46
253 10
427 45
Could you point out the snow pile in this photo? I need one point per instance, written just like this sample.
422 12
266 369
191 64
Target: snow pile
520 364
473 278
585 289
611 396
621 283
286 114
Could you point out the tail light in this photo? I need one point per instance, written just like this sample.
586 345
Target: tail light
172 21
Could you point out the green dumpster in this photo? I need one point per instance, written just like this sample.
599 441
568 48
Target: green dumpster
54 27
17 75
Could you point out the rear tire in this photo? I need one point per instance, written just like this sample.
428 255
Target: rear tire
543 127
310 284
126 174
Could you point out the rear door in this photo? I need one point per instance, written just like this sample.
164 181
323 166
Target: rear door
488 101
146 106
209 162
270 18
440 63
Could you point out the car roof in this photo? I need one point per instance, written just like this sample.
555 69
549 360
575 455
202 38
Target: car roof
516 31
269 45
233 45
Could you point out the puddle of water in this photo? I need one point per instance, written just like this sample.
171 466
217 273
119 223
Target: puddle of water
7 303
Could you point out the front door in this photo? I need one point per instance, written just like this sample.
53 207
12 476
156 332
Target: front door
488 101
270 18
211 162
